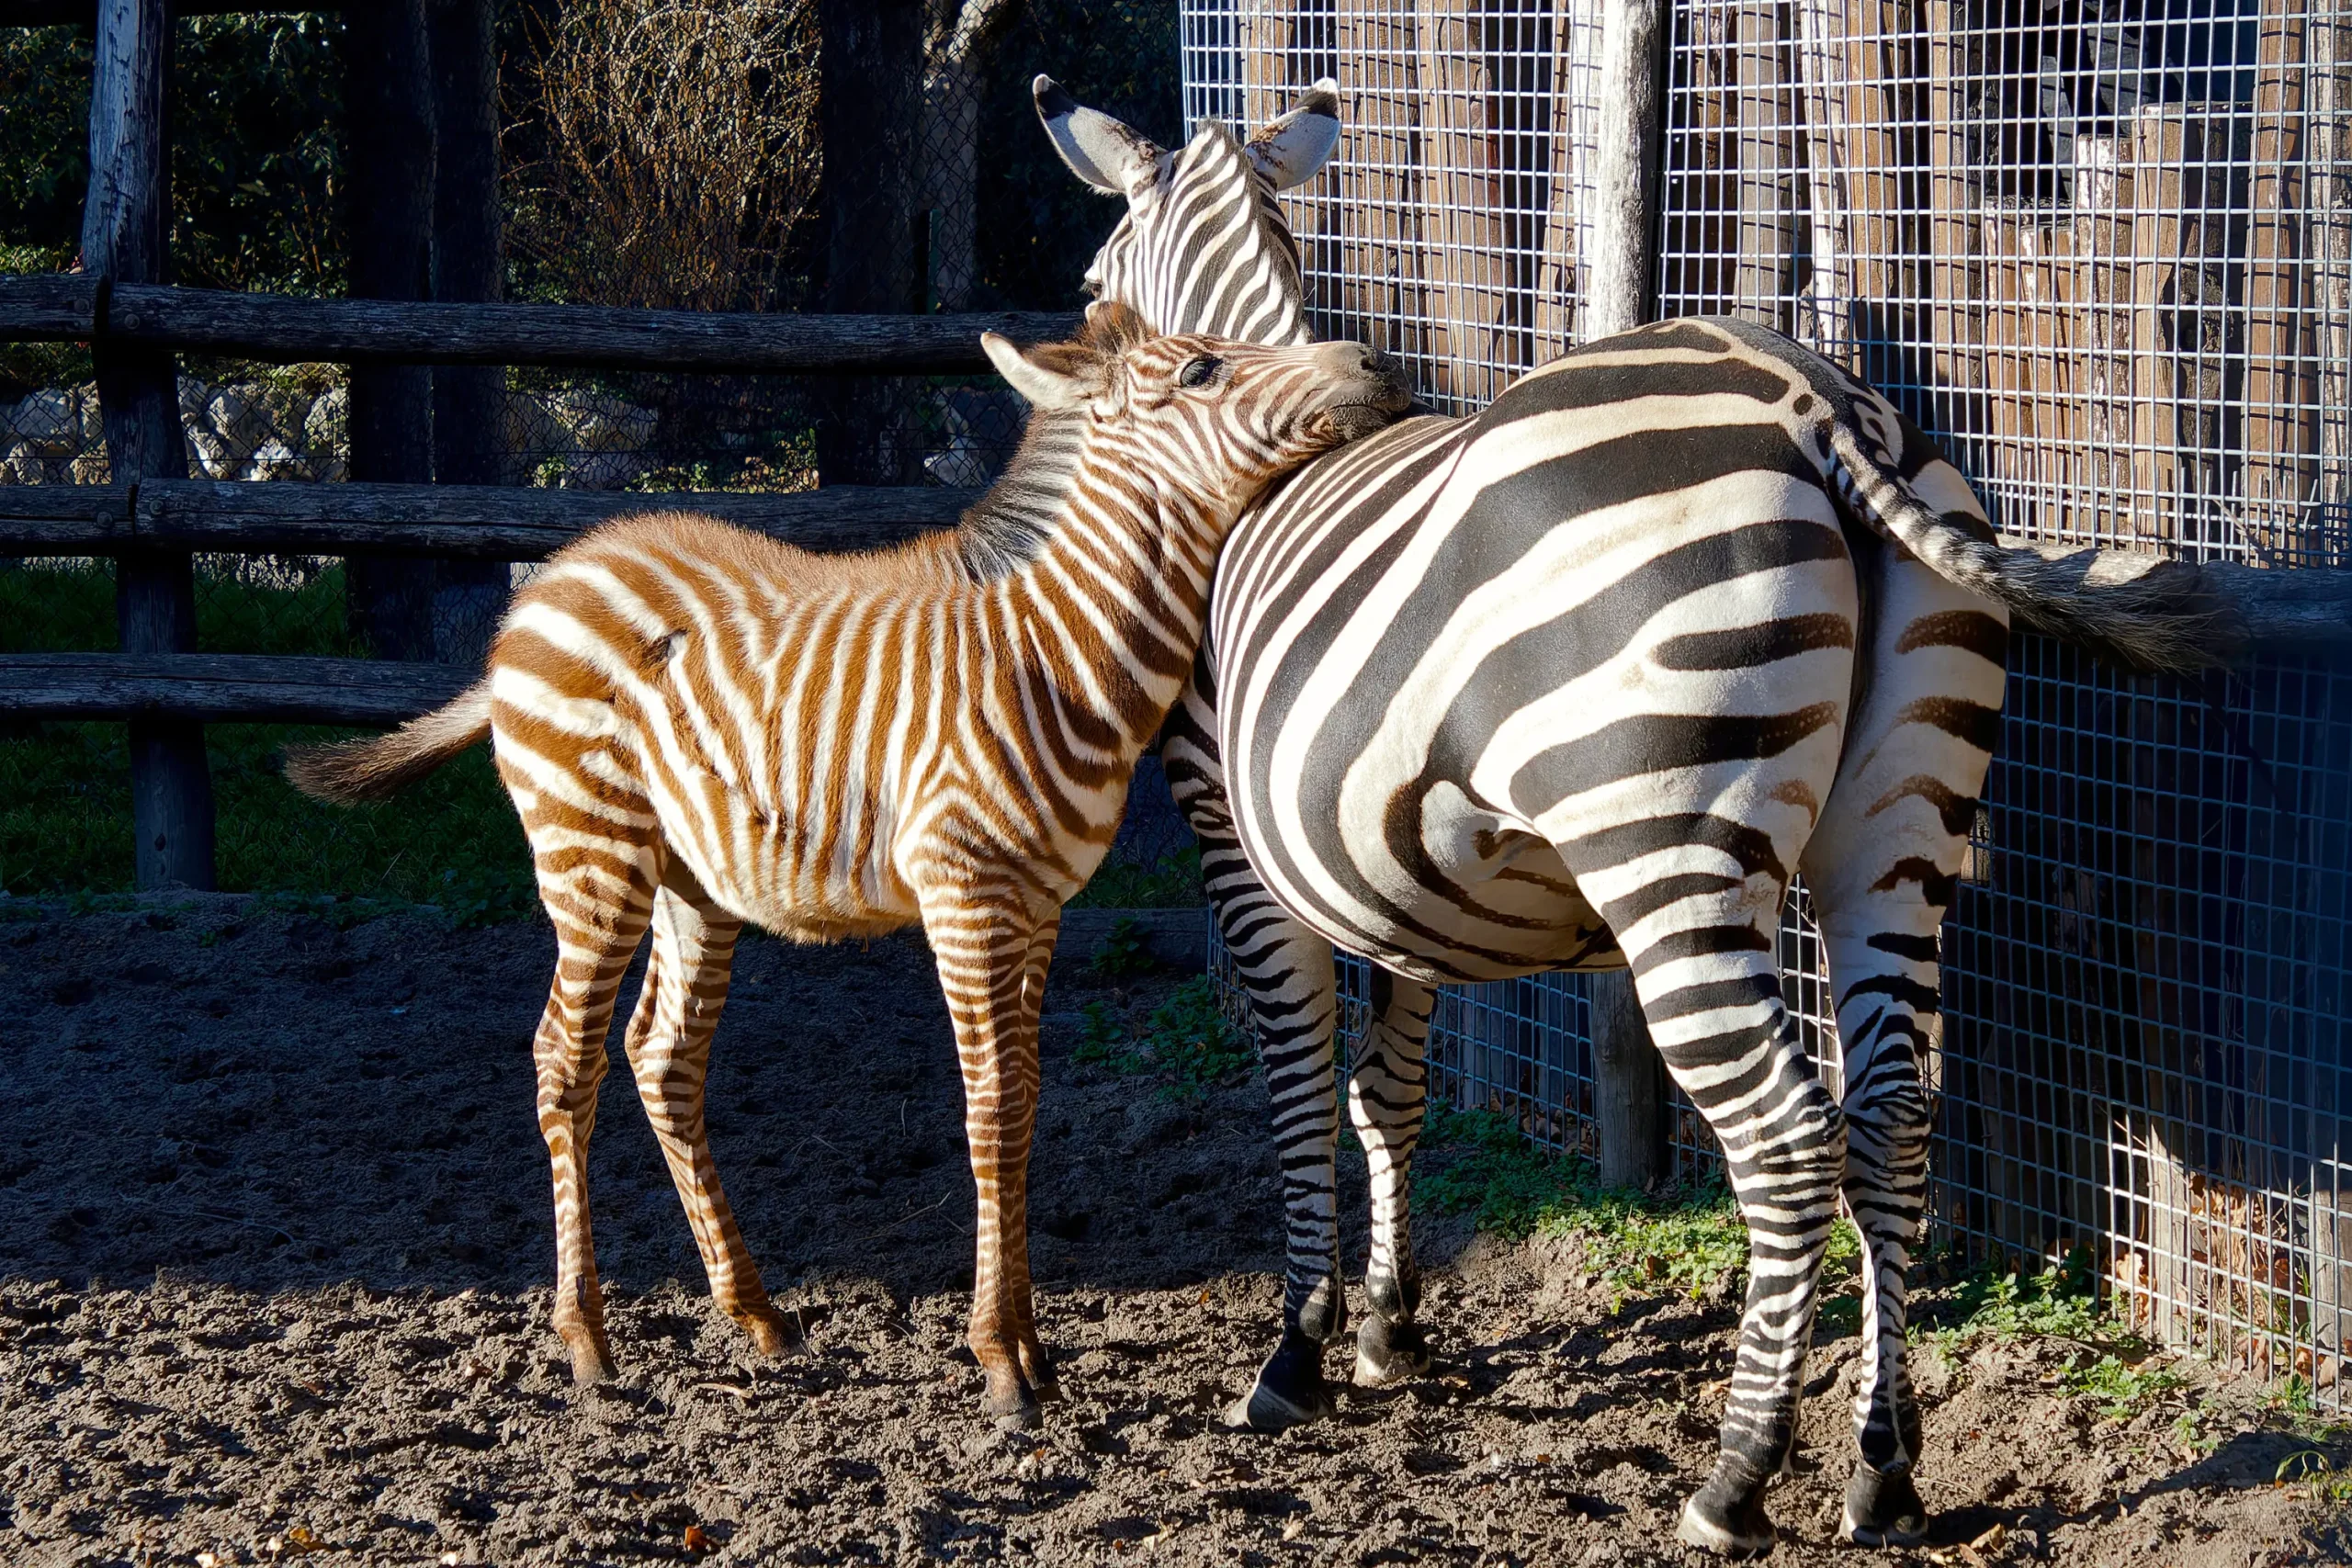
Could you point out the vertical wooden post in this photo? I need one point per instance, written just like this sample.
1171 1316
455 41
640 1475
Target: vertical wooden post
1624 241
1629 1086
1629 1099
388 149
468 401
123 227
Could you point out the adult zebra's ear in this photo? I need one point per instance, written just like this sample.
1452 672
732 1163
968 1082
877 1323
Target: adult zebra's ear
1111 155
1289 151
1043 385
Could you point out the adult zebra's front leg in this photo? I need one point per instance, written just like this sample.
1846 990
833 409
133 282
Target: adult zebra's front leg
1388 1098
1287 973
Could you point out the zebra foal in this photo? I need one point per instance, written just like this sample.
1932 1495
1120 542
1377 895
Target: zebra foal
700 726
1583 681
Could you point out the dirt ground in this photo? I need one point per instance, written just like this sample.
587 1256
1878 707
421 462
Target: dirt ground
274 1260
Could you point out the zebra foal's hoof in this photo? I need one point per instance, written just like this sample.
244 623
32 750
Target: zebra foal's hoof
592 1364
1727 1516
1882 1508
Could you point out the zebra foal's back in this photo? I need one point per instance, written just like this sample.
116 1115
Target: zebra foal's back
701 727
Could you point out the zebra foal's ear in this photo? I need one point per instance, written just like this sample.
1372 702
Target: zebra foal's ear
1030 373
1289 151
1109 154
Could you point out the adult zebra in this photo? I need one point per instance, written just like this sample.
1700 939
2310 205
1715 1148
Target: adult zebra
1581 683
700 726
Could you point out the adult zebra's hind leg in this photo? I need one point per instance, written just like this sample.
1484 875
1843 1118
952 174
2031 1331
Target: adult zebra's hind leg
1387 1097
1695 902
1882 867
1287 973
669 1054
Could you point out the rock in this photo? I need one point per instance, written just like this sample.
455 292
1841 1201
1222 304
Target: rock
240 416
273 459
48 423
605 439
326 433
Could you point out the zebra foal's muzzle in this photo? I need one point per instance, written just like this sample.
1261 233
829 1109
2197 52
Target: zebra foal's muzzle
1374 391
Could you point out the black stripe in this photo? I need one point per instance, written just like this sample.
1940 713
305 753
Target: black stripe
1654 743
1743 647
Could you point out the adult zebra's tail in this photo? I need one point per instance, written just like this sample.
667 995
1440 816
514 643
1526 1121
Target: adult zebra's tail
2149 610
350 771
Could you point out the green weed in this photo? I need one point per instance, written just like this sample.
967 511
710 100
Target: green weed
1122 951
2119 1387
2326 1483
1187 1043
2060 1302
1173 884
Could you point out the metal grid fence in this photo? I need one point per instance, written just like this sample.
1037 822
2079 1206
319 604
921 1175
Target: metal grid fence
2104 252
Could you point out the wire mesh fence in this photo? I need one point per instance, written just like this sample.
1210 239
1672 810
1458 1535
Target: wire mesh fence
2105 254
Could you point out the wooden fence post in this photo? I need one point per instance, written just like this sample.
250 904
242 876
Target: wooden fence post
1619 296
1629 1090
122 241
388 148
468 401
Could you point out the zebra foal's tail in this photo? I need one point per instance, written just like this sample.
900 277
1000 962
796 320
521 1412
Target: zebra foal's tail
2149 610
351 771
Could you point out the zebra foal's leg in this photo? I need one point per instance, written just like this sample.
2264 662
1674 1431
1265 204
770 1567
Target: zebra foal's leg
985 952
669 1054
1387 1097
600 903
1883 865
1294 993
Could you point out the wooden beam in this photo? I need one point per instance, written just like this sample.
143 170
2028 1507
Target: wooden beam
480 522
284 329
219 687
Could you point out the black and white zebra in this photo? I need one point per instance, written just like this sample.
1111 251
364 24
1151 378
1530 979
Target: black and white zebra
1583 681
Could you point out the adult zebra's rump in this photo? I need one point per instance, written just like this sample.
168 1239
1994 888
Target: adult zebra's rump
700 726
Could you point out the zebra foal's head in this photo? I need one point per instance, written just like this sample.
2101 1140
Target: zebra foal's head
1191 413
1203 247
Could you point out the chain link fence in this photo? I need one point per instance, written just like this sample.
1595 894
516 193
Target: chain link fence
2105 253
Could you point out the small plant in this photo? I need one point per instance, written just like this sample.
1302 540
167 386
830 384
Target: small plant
1171 883
2060 1302
1187 1043
2120 1388
1192 1045
2326 1483
1122 951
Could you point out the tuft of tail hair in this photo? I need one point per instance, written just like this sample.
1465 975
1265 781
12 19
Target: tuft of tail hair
347 772
2143 610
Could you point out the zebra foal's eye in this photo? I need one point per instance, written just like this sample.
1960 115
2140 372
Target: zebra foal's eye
1197 373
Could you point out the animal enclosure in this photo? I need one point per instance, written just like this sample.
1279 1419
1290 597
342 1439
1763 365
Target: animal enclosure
2106 256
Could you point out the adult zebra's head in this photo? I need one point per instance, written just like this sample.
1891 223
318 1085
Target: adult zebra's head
1203 247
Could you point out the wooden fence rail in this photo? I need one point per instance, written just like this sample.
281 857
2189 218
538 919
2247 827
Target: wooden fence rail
210 687
287 330
485 522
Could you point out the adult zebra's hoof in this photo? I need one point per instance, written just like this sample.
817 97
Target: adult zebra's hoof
1728 1515
1290 1390
1882 1508
1389 1351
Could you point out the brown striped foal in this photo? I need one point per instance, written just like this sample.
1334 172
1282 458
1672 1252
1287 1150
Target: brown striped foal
701 727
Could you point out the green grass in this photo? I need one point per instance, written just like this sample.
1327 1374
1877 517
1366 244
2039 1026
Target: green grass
1186 1043
1684 1240
65 788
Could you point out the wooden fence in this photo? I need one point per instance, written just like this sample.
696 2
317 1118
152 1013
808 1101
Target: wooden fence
153 519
